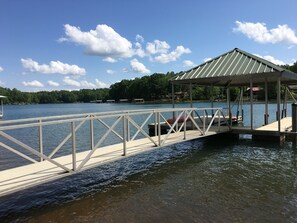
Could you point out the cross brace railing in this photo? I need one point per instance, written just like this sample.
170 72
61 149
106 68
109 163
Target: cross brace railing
184 119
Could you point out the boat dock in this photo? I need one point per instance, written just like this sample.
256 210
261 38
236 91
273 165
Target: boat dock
44 167
126 126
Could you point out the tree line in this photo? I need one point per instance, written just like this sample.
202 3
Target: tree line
156 87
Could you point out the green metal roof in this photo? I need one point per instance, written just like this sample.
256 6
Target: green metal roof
235 67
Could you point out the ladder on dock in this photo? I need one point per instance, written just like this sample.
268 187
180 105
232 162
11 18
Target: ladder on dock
59 146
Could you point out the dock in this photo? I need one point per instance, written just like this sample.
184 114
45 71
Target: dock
267 132
45 168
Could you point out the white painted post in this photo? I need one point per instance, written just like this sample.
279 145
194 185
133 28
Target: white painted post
128 128
278 104
124 135
211 98
204 122
229 106
91 132
266 115
251 101
219 121
185 125
159 129
155 123
40 139
73 146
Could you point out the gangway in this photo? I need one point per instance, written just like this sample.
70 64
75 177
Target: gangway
80 141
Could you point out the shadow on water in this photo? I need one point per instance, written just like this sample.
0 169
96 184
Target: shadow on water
213 180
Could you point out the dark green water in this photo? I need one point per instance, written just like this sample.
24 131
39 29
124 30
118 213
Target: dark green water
214 180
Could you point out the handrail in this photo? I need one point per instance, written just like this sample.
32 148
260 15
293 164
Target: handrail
121 125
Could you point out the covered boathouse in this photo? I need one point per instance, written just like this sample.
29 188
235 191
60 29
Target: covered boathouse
238 68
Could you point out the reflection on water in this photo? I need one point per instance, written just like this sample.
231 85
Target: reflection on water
212 180
199 181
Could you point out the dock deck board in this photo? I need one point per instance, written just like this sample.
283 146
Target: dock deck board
286 124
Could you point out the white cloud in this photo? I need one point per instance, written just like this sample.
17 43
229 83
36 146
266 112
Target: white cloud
110 71
55 67
84 84
173 55
1 69
103 41
34 83
139 38
2 83
259 33
271 59
157 47
206 59
110 60
100 84
139 51
70 82
53 83
188 63
138 67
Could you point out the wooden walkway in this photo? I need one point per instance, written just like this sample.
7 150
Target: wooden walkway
23 177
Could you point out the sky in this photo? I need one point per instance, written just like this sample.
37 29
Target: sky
85 44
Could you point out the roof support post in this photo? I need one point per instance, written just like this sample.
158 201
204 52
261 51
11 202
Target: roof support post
278 86
266 115
172 94
229 106
191 98
211 98
251 101
284 111
173 103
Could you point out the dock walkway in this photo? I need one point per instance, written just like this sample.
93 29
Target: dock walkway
49 169
19 178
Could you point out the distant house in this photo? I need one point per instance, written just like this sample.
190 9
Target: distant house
96 101
124 100
138 100
110 101
256 91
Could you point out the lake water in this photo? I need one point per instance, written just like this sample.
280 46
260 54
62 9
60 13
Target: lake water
211 180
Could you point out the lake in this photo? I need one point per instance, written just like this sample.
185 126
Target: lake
210 180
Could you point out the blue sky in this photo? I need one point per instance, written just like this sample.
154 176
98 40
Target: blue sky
75 44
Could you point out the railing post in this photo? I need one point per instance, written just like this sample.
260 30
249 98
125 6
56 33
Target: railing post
124 135
159 129
185 125
128 128
219 121
155 123
40 139
204 122
73 146
91 132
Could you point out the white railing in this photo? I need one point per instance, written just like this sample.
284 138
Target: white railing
124 126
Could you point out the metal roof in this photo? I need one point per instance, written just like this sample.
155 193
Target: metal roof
235 67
